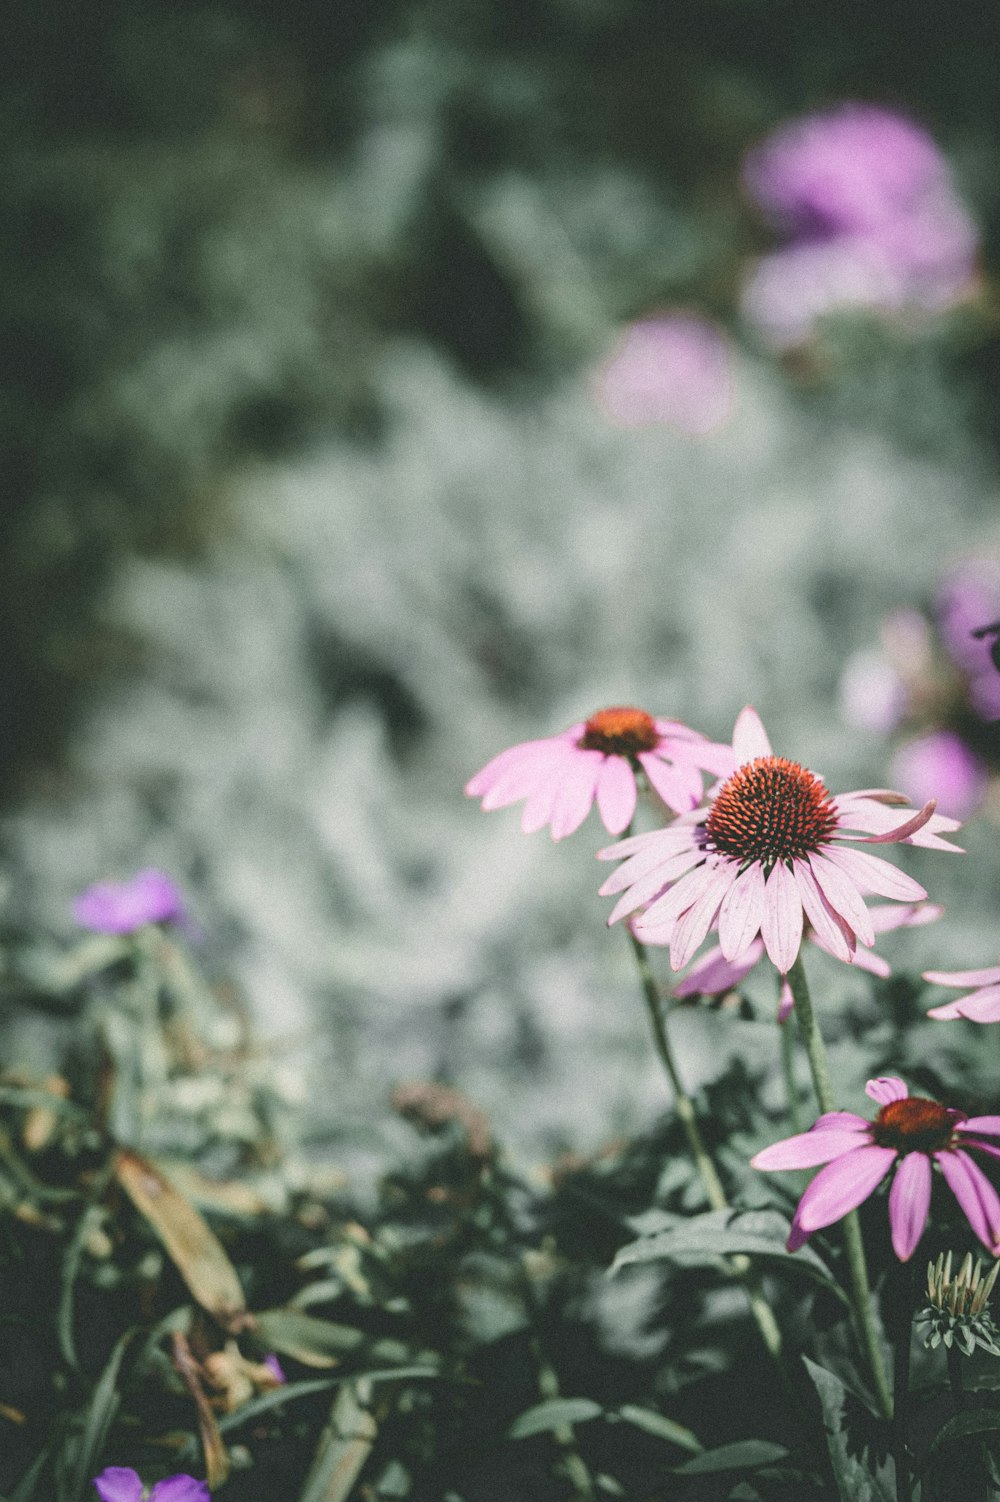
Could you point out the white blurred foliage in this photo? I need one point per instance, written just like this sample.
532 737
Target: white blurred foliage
507 569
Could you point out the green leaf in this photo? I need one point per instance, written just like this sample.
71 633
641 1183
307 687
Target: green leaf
323 1343
554 1414
744 1455
975 1421
856 1480
344 1446
659 1426
25 1488
83 1446
706 1238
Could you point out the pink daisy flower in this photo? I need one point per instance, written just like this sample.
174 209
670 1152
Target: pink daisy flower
560 777
714 975
858 1154
765 855
981 1005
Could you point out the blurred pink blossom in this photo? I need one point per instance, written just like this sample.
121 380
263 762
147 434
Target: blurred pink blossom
865 201
113 907
674 369
940 765
969 599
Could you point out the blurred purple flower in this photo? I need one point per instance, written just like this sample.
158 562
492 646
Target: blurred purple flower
872 694
865 201
969 599
675 369
942 762
112 907
275 1368
122 1484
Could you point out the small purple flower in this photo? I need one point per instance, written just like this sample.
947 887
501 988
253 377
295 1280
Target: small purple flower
968 601
908 1130
122 1484
865 202
275 1368
674 369
942 762
111 907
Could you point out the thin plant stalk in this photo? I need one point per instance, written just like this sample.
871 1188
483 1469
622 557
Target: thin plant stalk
788 1071
857 1267
714 1192
902 1323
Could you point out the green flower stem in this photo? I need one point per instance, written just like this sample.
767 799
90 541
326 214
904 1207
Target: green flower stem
857 1267
714 1192
788 1070
902 1323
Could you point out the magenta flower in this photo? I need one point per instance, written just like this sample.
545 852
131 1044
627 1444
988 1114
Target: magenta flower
112 907
122 1484
561 777
765 855
981 1005
673 369
858 1154
942 765
866 202
714 975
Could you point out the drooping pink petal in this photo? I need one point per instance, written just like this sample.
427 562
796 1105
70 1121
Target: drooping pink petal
650 886
786 1000
180 1489
888 1087
909 1202
988 977
713 974
843 897
831 931
888 916
616 794
866 959
808 1149
741 912
877 816
974 1193
980 1125
872 875
649 859
682 895
576 793
694 925
842 1185
749 737
523 775
678 834
981 1006
513 756
708 756
906 830
679 786
540 803
781 918
119 1484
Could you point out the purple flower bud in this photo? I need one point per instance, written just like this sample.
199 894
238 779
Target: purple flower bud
110 907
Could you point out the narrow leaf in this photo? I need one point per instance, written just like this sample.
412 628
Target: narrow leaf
660 1426
192 1246
554 1414
322 1343
849 1428
344 1446
976 1421
744 1455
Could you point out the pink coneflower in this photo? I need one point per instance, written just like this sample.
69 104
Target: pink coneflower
858 1154
981 1005
561 776
714 975
764 856
672 368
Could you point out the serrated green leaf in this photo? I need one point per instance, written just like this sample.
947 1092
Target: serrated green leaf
744 1454
856 1482
660 1426
553 1414
975 1421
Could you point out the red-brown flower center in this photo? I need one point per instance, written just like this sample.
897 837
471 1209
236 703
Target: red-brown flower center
771 810
915 1125
620 732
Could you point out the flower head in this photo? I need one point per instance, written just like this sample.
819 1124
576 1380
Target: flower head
865 200
983 1002
713 975
112 907
909 1134
765 855
560 777
673 369
122 1484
